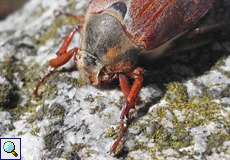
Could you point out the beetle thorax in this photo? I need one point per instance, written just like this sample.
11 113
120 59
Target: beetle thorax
104 45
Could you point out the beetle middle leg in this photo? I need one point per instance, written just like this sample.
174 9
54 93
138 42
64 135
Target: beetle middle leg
63 56
131 97
124 85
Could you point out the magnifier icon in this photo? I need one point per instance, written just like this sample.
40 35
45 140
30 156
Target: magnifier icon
9 147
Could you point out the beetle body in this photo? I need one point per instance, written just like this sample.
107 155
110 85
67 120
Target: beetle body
116 32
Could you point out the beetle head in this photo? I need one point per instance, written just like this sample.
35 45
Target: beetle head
104 44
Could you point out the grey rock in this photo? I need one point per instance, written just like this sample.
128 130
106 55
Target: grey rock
8 94
5 123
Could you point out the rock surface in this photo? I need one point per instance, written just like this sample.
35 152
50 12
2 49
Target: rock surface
184 110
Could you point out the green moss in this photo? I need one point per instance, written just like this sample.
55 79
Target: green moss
8 96
33 76
177 139
226 92
35 131
56 110
111 133
224 72
29 76
20 110
34 115
8 92
176 93
217 140
7 68
21 133
196 111
161 112
72 5
78 147
78 82
219 63
52 139
226 123
48 139
130 158
139 146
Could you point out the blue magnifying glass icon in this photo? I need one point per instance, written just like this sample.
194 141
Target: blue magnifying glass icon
9 147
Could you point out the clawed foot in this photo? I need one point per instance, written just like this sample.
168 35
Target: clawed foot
118 144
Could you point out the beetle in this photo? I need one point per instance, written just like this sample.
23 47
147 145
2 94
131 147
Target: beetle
116 32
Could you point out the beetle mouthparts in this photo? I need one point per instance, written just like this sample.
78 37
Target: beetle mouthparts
89 66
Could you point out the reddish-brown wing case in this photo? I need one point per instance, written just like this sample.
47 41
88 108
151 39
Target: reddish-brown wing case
150 23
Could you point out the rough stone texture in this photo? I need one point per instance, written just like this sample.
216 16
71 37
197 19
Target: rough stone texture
8 95
184 112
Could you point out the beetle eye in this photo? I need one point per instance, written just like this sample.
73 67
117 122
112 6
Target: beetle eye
120 7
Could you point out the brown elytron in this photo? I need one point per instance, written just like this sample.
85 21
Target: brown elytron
116 32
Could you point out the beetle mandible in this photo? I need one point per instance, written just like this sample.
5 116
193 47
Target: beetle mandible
116 32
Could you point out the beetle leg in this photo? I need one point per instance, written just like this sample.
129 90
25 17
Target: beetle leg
124 85
131 95
120 139
41 81
137 75
63 56
67 41
55 63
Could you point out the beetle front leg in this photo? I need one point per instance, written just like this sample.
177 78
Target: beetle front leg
115 149
125 88
63 56
131 96
131 100
124 85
